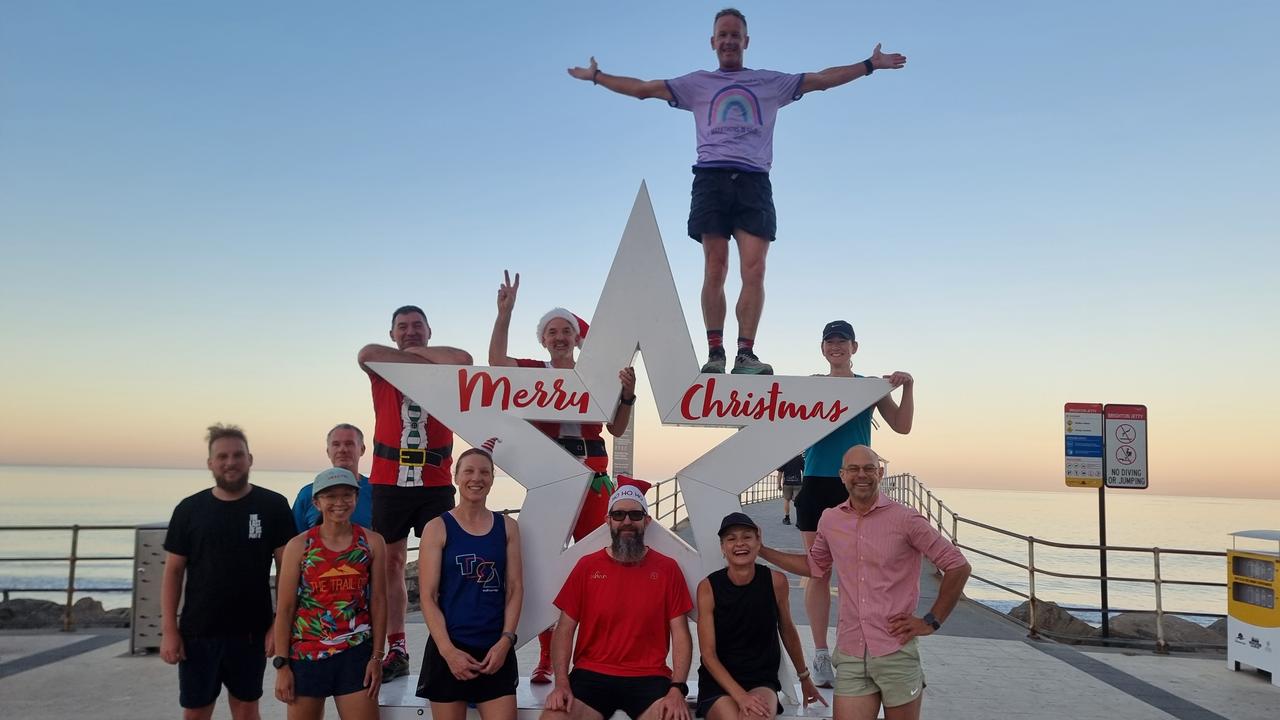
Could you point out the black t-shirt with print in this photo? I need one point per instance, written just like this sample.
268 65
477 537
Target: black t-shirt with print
229 546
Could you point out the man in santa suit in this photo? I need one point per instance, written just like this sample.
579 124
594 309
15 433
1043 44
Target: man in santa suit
561 333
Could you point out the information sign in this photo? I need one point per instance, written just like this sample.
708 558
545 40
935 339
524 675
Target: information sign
1083 426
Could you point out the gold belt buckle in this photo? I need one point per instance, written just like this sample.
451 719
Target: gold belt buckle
415 457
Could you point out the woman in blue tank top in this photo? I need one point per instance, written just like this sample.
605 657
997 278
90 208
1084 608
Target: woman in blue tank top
469 579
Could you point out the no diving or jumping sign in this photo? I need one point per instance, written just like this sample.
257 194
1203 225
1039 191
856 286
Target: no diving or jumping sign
1126 440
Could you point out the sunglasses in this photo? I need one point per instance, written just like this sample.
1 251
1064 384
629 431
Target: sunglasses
632 515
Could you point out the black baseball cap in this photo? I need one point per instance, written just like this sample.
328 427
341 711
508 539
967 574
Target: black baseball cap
840 328
737 519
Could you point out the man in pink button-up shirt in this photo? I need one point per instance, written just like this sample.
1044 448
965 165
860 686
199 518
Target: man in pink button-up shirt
876 546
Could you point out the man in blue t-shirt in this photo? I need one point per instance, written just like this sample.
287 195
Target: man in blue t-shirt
345 446
734 109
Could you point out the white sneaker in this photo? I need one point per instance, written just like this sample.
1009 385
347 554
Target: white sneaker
823 675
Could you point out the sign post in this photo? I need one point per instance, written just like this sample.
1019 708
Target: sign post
1106 447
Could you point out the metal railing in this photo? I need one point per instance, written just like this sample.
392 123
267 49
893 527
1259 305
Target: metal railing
908 490
667 504
73 559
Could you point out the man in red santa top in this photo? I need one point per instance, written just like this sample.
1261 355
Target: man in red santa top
561 332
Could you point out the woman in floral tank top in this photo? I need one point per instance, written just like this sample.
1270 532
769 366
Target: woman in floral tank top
332 610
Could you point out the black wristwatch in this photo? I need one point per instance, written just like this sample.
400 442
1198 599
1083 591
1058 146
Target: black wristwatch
627 402
279 661
868 66
512 637
682 687
931 621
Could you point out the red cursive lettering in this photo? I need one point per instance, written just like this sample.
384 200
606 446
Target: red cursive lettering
490 389
769 407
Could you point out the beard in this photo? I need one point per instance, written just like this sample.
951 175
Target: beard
628 546
231 486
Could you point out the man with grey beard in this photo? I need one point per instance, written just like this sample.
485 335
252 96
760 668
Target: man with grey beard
221 543
627 605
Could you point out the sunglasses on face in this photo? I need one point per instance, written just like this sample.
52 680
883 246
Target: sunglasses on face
632 515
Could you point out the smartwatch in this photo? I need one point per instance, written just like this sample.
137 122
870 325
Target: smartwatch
279 661
682 687
931 621
510 636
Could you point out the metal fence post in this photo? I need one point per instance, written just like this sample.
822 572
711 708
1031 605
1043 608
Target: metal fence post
1161 646
1031 585
68 621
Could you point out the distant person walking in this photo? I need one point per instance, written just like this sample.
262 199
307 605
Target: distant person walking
790 478
823 488
412 455
734 109
219 548
876 546
332 609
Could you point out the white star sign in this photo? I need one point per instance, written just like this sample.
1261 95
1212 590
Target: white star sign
639 310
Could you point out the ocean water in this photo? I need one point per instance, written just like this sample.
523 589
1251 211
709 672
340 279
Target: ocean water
122 496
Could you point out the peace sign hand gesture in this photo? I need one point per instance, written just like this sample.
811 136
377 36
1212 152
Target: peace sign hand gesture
507 293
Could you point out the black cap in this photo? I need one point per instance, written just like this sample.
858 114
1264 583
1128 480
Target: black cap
840 328
737 519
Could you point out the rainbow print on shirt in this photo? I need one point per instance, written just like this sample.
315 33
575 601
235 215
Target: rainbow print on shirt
734 105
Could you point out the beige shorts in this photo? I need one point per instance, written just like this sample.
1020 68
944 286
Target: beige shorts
897 677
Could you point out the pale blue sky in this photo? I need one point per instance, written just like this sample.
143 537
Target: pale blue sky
205 211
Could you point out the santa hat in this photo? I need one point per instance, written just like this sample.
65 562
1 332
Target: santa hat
578 324
628 481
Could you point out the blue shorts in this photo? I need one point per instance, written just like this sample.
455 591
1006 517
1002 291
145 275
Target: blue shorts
236 661
334 676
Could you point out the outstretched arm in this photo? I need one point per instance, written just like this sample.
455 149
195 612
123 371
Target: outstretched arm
636 88
502 324
841 74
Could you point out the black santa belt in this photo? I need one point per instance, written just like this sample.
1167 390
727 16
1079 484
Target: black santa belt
579 447
414 457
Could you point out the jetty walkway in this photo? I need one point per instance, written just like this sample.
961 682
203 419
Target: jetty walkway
981 666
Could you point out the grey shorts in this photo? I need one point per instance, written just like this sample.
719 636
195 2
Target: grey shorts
897 677
789 492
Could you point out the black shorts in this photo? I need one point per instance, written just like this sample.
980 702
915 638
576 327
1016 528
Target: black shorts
725 200
607 694
817 493
397 510
437 684
334 676
236 661
704 704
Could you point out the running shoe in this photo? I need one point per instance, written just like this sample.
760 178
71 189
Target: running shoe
748 364
823 675
395 665
786 519
715 363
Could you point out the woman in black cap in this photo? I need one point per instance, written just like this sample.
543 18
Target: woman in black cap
742 609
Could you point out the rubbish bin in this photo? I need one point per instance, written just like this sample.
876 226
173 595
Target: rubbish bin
1253 619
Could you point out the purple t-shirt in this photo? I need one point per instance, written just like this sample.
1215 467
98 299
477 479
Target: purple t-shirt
735 112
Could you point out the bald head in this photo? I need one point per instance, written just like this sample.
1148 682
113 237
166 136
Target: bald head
861 472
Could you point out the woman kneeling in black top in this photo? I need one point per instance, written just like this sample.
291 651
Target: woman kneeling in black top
742 609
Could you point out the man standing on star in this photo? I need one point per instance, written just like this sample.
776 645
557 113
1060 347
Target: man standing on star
734 109
412 457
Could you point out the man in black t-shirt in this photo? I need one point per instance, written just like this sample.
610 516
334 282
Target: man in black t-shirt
221 543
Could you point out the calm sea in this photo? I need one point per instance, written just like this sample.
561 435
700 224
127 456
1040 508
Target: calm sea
120 496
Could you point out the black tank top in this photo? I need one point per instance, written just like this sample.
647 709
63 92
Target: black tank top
746 624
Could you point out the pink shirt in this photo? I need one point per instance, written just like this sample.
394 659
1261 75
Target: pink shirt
877 563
